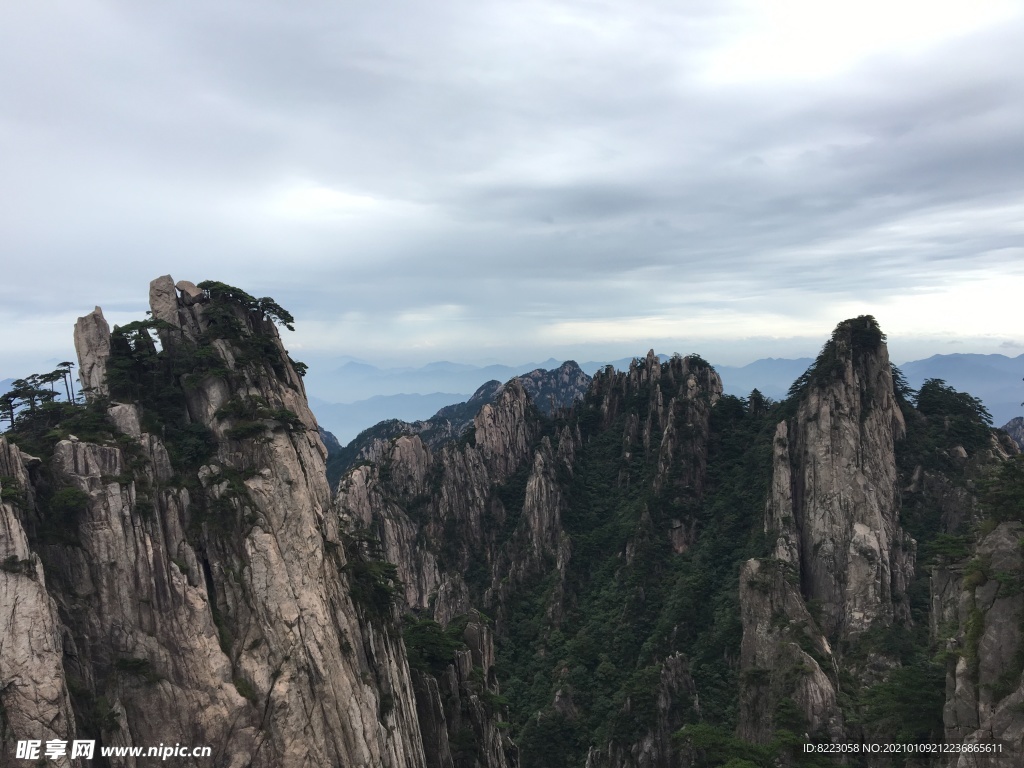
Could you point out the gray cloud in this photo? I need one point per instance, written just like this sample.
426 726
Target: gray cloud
490 173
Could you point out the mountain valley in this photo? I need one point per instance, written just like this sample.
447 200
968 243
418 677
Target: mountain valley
629 569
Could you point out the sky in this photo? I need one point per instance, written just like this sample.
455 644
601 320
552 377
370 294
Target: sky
510 181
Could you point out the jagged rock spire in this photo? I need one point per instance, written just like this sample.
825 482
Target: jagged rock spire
835 503
92 344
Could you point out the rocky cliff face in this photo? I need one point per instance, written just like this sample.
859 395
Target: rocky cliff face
34 697
92 342
472 523
830 623
984 684
833 516
1015 429
439 519
784 657
201 581
548 586
557 389
548 390
834 508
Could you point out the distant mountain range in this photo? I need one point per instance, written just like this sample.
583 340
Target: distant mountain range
356 395
411 394
994 379
550 390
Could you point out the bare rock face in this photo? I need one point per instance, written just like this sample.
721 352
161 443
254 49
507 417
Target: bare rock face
34 699
92 343
779 511
784 655
190 292
365 501
557 389
835 501
438 518
503 433
210 605
1015 429
126 419
469 523
543 503
163 300
682 393
984 683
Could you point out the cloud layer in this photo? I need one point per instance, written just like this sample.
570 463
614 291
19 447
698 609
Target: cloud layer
481 179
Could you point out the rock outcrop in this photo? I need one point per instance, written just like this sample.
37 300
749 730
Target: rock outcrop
985 677
34 699
784 656
92 343
1015 429
557 389
179 572
549 390
834 509
206 592
439 520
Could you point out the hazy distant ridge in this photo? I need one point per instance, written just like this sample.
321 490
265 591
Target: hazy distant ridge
357 395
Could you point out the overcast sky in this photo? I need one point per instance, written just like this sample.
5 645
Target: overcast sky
472 180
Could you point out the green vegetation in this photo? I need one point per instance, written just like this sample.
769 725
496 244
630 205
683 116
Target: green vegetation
430 647
860 336
715 747
266 308
1003 493
36 430
244 687
234 315
11 494
249 415
155 365
94 714
629 600
907 704
374 585
963 419
13 564
31 393
159 381
139 668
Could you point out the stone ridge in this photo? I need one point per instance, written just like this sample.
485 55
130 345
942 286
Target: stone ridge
468 523
556 389
549 390
437 518
212 605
